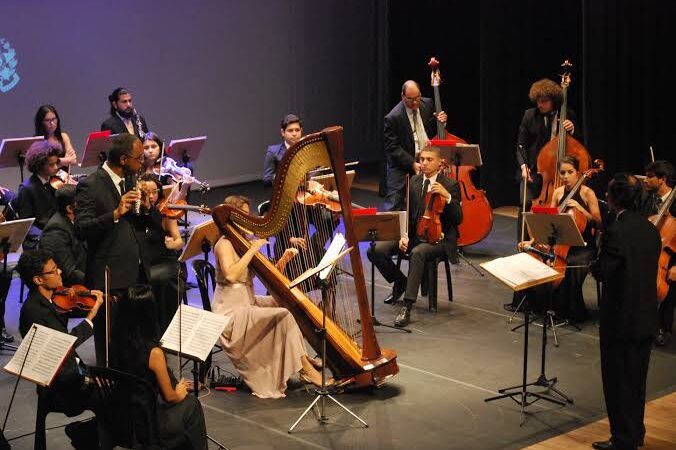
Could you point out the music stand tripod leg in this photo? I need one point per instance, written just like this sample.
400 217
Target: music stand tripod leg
196 387
461 254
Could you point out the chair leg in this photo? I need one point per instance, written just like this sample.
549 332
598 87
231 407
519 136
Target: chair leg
432 286
449 280
21 292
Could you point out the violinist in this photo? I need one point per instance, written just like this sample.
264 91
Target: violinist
538 126
568 301
658 183
408 128
69 393
429 180
36 195
164 241
48 124
59 238
163 166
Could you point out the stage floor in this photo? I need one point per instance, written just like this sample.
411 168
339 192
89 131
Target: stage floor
449 364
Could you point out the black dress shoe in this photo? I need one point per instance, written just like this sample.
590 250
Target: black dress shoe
397 291
404 317
6 338
603 445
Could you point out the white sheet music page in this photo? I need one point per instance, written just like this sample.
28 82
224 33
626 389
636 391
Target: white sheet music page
48 350
199 331
519 269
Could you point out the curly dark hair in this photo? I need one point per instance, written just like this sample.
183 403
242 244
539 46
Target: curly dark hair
624 191
39 153
32 263
155 179
546 88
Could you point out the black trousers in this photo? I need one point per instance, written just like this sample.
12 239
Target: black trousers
5 281
624 369
165 284
395 180
666 317
421 253
533 191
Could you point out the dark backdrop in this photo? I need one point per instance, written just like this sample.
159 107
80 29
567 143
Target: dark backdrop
491 51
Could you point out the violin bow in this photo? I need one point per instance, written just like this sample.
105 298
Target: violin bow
161 160
180 321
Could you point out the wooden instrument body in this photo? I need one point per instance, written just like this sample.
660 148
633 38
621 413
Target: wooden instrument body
368 363
429 224
666 225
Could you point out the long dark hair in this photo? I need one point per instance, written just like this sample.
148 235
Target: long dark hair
41 130
136 331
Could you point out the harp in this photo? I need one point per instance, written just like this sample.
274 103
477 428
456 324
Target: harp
352 348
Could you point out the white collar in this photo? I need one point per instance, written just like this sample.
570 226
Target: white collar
113 176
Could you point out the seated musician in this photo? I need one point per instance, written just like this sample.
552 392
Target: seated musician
168 168
137 351
568 301
59 238
69 392
36 195
164 241
262 340
658 184
429 180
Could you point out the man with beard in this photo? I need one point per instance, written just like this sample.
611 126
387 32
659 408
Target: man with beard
123 117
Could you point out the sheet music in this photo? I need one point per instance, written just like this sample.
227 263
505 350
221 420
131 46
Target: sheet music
199 332
334 249
47 352
520 271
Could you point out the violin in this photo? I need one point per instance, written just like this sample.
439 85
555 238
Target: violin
74 297
202 209
317 195
61 178
429 225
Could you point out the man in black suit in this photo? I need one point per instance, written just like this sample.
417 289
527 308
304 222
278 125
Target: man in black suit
123 117
420 251
538 126
69 392
104 218
627 265
408 128
658 184
59 238
36 195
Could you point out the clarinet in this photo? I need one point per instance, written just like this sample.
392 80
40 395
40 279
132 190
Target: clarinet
137 117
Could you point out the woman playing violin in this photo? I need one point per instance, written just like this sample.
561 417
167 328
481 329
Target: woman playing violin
568 299
164 167
164 241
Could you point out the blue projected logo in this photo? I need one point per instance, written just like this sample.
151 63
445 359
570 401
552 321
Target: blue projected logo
8 76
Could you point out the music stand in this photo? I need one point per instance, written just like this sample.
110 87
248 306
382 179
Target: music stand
551 229
12 235
328 181
186 150
96 149
323 271
203 237
383 226
13 151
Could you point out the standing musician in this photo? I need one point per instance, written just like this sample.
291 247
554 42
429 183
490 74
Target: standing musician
627 265
429 180
568 301
538 126
36 195
123 117
69 392
658 183
48 124
105 206
408 128
59 238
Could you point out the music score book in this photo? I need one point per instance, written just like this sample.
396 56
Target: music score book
47 353
199 332
521 271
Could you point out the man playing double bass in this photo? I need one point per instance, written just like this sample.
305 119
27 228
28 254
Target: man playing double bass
538 126
420 251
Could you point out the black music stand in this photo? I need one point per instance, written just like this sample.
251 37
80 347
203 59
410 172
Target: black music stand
12 235
204 236
377 227
462 155
13 151
552 229
322 273
96 149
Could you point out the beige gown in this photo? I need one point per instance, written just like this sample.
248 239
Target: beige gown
262 339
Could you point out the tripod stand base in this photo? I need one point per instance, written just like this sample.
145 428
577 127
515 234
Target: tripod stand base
461 254
321 417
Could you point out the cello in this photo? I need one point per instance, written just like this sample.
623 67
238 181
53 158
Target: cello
552 151
477 213
666 225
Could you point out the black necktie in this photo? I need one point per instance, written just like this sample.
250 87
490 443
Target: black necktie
426 186
121 184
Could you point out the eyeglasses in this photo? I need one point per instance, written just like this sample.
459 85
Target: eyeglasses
412 99
54 120
137 158
54 270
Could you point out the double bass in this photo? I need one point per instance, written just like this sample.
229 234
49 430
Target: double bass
666 225
477 214
564 144
352 349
